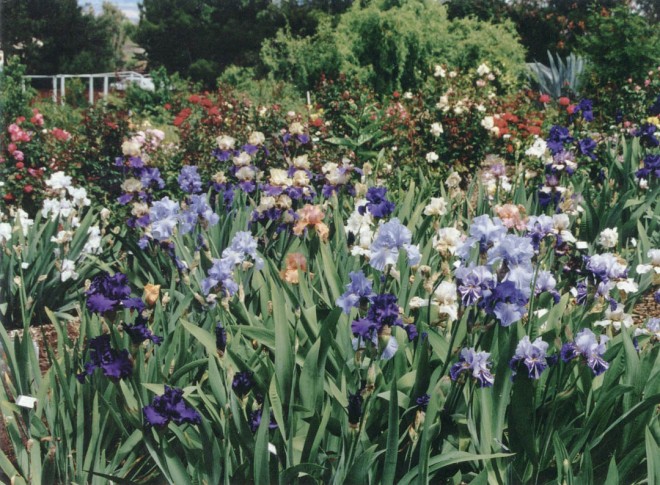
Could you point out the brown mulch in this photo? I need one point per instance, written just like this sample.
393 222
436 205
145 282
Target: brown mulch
645 309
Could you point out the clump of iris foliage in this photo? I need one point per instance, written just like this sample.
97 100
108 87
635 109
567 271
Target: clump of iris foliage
285 307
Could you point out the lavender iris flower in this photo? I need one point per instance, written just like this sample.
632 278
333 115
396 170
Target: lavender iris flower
532 354
475 363
589 349
189 180
391 237
357 291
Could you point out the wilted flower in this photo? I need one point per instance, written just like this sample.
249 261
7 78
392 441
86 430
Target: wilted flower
151 294
220 337
170 407
255 420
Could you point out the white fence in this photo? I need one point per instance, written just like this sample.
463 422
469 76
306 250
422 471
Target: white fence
121 81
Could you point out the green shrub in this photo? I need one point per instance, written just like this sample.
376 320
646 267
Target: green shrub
392 47
620 44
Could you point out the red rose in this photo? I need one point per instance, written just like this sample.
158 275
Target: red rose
564 101
571 109
8 197
544 98
20 165
28 189
168 106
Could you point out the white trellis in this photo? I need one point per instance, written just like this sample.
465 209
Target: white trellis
121 79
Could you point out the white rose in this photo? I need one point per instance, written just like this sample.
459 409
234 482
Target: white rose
436 129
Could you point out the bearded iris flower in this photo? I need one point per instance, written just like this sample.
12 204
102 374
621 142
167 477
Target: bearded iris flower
115 364
588 349
476 364
170 407
533 355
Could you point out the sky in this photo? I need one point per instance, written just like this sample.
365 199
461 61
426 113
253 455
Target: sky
129 7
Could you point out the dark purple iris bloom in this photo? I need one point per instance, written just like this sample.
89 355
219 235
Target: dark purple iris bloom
651 167
558 137
654 109
139 332
243 382
108 293
220 337
354 408
189 180
618 117
423 401
114 364
646 134
656 297
377 204
384 310
365 328
170 407
255 420
587 147
585 107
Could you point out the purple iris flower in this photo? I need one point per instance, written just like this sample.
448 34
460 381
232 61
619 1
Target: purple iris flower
474 280
587 147
109 293
475 363
255 420
189 180
646 134
114 364
532 354
391 237
558 138
220 337
513 250
243 382
589 349
423 401
170 407
139 332
606 267
377 203
358 291
151 175
354 408
651 166
585 106
538 227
